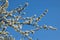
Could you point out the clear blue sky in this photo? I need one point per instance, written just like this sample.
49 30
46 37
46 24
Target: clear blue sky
37 7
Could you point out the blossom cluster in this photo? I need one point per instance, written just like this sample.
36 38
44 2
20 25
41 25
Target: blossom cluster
9 19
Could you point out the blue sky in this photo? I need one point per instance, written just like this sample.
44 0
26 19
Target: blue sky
37 7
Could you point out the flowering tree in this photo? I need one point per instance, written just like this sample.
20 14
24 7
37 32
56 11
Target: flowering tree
9 19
